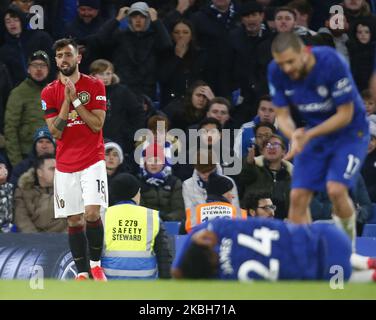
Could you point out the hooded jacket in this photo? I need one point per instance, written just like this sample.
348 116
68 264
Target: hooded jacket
34 207
16 50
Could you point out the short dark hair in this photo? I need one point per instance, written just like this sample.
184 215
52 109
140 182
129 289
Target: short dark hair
265 124
209 120
251 200
265 97
286 40
39 161
61 43
302 6
220 100
280 9
196 263
366 94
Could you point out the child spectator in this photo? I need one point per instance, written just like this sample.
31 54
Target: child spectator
160 190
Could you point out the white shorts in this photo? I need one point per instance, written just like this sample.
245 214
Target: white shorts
73 191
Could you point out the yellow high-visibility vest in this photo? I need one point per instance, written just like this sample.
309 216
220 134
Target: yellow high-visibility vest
130 228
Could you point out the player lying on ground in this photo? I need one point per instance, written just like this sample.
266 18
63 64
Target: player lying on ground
260 248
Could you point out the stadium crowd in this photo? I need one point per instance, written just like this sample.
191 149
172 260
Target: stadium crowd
193 65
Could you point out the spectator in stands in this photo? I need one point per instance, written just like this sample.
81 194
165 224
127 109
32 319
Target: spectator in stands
303 11
194 188
114 158
355 10
338 36
220 108
87 23
159 126
43 144
20 43
246 135
191 110
244 41
160 190
34 199
125 114
268 172
369 166
361 47
147 253
182 65
210 137
285 21
183 10
260 204
6 198
23 5
219 203
149 108
368 102
213 24
5 88
135 50
24 114
321 207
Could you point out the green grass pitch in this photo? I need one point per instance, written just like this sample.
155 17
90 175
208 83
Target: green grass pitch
183 290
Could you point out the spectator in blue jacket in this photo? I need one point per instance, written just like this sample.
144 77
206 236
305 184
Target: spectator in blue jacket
43 144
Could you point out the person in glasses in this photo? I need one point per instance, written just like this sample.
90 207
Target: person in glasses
260 204
23 114
269 171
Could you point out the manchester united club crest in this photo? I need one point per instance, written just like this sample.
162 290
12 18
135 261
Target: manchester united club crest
84 97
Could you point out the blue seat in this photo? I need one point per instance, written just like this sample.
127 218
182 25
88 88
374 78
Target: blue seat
373 217
369 230
366 246
179 240
172 227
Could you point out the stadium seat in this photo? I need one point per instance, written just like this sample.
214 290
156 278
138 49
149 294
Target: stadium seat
179 240
172 227
369 230
366 246
373 217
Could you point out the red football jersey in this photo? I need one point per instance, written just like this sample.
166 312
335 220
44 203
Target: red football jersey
79 147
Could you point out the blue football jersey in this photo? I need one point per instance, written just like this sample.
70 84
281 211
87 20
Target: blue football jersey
260 248
328 85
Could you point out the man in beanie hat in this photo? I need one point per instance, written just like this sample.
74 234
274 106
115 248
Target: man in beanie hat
136 243
23 114
145 37
43 143
218 203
